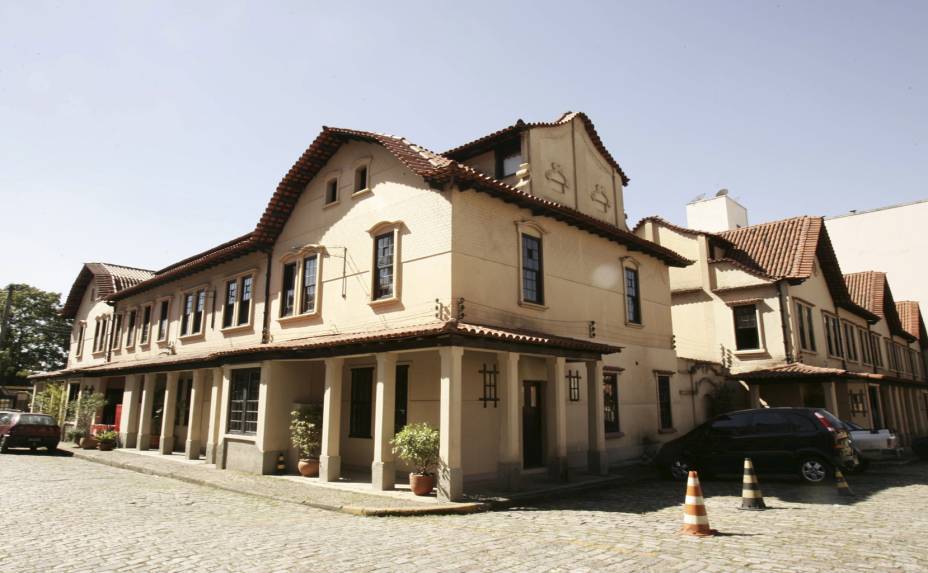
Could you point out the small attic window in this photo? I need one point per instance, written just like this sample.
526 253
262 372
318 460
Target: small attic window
360 179
331 191
508 158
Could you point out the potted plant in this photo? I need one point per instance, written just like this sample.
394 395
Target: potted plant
107 440
306 436
84 411
417 445
75 436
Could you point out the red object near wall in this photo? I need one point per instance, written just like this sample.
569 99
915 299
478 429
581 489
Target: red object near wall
118 416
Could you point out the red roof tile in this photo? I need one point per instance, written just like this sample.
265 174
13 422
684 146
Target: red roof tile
870 289
910 317
798 371
486 142
107 279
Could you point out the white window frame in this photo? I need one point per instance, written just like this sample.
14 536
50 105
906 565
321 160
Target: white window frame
336 177
866 350
849 333
382 228
239 279
759 325
832 333
658 374
131 334
81 333
142 327
99 334
182 335
633 264
876 350
299 259
116 340
532 229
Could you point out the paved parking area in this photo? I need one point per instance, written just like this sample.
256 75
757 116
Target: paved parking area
73 515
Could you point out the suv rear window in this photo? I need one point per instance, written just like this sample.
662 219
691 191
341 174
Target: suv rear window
36 420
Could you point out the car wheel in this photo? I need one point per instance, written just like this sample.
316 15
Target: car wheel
815 470
680 469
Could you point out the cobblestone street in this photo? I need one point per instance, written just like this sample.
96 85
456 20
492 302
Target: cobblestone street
65 514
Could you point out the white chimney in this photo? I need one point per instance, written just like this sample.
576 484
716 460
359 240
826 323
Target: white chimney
716 214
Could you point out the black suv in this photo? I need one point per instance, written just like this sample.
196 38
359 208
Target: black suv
808 441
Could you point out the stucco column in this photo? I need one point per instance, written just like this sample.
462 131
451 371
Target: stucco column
383 470
215 405
129 418
166 446
899 408
509 470
831 397
224 395
450 471
557 384
145 411
195 424
597 458
330 460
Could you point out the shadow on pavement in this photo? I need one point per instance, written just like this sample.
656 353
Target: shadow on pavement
59 453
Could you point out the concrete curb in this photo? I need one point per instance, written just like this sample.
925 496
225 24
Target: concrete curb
365 511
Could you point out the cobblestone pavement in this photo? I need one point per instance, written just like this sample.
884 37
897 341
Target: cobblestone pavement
73 515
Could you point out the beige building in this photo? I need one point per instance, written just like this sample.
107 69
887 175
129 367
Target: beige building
770 304
493 291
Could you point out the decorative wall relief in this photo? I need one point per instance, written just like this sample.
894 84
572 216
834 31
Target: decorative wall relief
598 195
557 178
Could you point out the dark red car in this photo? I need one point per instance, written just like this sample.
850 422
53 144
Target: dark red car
25 430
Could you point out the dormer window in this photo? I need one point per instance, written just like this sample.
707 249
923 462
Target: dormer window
360 179
508 158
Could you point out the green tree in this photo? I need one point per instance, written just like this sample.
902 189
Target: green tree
35 337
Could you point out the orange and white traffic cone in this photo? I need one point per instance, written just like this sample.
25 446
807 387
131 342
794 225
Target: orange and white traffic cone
751 498
843 488
695 520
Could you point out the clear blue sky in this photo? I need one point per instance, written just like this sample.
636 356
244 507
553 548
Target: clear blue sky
143 132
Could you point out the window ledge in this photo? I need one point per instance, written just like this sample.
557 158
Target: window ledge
236 328
533 305
163 342
614 435
634 324
192 337
298 317
364 191
750 352
667 431
97 353
241 437
332 204
384 301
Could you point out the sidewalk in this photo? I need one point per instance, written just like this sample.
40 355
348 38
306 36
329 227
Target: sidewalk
343 497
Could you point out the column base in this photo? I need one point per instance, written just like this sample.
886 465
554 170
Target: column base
509 476
143 443
192 449
330 468
557 469
450 484
383 475
210 454
166 445
597 462
128 440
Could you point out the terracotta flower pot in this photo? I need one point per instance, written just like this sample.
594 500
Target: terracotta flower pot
421 484
107 446
308 468
89 443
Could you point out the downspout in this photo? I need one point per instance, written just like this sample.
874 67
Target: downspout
784 321
109 340
266 329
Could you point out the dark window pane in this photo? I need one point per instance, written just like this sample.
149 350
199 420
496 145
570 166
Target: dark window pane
360 179
611 402
771 423
228 309
187 314
288 290
331 191
400 413
747 336
308 298
243 401
532 286
244 306
359 424
198 311
146 325
383 254
130 329
663 396
632 297
163 321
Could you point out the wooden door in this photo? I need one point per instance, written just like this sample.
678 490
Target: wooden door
532 425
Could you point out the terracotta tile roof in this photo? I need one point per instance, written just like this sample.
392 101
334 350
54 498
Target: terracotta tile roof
343 343
787 250
910 317
487 142
436 170
684 230
798 371
227 251
870 289
107 279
